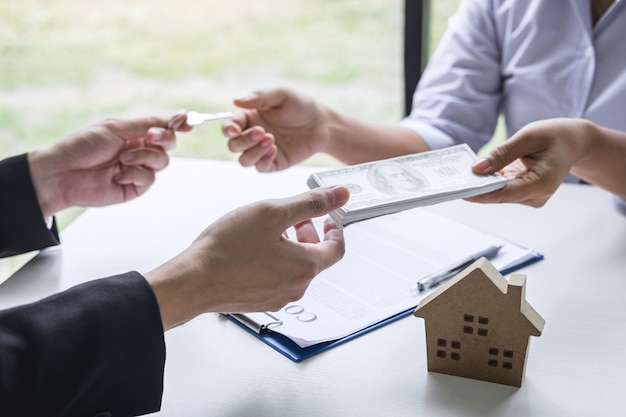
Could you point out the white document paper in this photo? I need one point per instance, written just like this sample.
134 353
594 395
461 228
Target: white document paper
384 259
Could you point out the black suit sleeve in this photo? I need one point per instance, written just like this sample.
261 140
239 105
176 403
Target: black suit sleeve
97 347
22 225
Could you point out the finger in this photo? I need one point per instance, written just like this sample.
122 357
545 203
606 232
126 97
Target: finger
497 159
178 122
248 139
164 138
255 155
526 189
306 232
518 146
267 162
314 203
130 191
333 247
260 99
135 175
138 127
233 127
153 158
330 250
330 226
493 197
498 197
334 233
530 189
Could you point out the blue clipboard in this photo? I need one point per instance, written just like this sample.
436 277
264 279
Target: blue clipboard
291 350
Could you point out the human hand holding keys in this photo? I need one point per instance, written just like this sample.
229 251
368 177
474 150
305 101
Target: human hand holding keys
194 118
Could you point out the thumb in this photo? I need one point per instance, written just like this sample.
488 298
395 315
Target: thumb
315 203
138 127
260 99
495 160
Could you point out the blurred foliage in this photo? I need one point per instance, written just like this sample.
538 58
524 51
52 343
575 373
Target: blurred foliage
67 63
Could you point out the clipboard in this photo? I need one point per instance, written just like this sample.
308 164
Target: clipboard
259 325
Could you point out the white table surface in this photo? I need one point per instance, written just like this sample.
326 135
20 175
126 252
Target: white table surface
214 368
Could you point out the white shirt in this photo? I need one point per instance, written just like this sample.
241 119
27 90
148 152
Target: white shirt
526 59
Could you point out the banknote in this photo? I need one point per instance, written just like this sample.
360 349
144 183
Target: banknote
391 185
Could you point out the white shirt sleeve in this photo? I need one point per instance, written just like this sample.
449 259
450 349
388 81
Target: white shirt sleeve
459 94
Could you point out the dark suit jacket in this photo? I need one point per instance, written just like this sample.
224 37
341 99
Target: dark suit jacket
95 349
22 225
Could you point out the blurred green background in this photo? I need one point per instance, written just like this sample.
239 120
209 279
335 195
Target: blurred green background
68 63
65 64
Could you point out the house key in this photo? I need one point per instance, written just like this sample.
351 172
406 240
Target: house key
195 118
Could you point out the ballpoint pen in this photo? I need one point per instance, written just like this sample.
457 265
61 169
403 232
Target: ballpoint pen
445 274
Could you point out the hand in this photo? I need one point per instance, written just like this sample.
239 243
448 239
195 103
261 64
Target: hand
109 162
536 160
278 129
244 262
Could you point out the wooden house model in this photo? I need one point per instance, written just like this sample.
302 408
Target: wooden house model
478 325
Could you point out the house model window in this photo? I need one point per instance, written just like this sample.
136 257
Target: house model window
478 325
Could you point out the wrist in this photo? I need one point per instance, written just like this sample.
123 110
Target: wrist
591 140
45 182
339 132
175 291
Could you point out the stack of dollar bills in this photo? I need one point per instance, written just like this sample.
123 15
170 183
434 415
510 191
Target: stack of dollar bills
396 184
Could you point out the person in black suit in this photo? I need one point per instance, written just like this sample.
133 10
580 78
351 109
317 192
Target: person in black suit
98 348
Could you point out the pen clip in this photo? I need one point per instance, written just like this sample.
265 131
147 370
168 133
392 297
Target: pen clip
257 322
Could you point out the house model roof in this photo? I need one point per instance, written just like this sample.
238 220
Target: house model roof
478 325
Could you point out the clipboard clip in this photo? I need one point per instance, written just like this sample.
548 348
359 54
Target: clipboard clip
257 322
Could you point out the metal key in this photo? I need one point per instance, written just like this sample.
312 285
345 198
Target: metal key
195 118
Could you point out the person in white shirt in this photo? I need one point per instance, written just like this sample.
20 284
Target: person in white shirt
525 60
